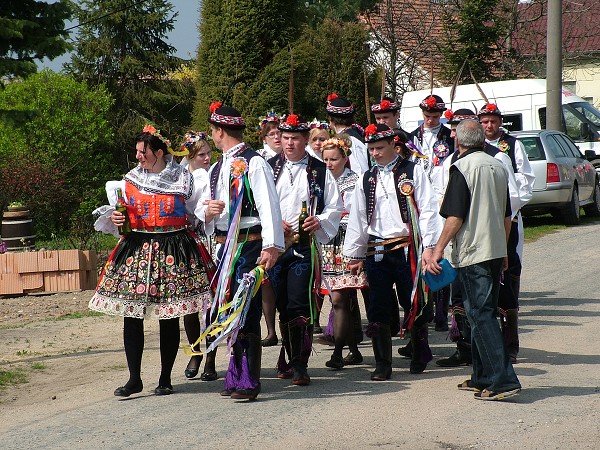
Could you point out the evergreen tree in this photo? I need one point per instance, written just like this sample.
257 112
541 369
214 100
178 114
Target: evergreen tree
123 47
238 40
31 30
475 31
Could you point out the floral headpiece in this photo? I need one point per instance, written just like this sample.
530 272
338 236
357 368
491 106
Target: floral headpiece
433 103
378 132
191 137
151 129
293 122
339 106
385 105
270 117
339 143
225 116
490 109
320 124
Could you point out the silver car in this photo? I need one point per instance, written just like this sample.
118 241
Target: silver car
565 180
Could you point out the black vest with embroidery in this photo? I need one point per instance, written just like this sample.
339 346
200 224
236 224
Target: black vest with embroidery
315 174
403 170
248 206
443 134
512 143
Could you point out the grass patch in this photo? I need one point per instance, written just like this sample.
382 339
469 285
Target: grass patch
77 315
38 366
538 226
14 376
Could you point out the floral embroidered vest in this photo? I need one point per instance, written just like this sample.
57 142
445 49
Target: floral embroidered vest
146 211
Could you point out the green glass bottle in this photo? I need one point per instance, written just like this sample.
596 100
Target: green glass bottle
120 206
304 235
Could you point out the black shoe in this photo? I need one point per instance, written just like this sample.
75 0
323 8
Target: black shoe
126 391
226 393
209 376
455 360
336 362
269 342
193 366
163 390
352 359
406 351
417 367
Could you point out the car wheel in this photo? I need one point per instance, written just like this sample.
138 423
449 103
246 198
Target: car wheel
593 209
571 214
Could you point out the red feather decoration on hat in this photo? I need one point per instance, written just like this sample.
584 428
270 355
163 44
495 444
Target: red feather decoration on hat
448 114
332 97
292 120
385 104
214 106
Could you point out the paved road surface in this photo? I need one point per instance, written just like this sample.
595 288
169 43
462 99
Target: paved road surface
559 406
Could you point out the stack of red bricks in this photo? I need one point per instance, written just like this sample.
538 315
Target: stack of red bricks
48 271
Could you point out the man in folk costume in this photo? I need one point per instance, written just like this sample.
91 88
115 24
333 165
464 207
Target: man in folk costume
393 225
300 178
490 118
433 140
255 226
387 111
341 119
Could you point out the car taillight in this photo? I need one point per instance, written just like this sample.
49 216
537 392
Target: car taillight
552 174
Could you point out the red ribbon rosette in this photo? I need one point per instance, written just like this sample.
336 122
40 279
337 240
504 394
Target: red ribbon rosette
448 114
431 102
384 104
371 129
332 96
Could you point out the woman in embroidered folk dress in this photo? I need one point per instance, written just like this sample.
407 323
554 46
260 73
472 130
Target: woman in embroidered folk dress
337 279
197 161
156 269
270 136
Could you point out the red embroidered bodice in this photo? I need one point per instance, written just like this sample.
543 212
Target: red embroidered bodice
154 210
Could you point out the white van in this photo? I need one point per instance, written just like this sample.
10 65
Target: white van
523 104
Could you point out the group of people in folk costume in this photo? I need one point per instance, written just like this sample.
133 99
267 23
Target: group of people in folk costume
324 208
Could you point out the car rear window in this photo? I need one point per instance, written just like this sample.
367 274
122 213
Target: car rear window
533 148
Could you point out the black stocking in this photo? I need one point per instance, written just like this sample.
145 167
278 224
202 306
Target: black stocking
169 344
133 341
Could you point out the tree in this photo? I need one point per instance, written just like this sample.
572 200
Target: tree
475 32
31 30
56 161
122 46
238 40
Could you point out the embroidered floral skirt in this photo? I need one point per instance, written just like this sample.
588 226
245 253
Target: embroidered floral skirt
158 275
336 272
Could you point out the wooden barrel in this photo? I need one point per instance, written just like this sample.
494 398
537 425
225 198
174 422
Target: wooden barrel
17 230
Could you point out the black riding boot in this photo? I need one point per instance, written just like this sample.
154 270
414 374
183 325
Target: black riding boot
249 387
300 336
381 338
421 353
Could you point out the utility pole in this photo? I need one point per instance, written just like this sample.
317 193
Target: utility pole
554 66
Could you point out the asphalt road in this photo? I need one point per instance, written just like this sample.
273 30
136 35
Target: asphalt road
559 406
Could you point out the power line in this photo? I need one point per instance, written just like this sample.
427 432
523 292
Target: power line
106 15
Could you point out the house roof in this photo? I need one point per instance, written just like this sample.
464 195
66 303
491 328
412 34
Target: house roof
580 30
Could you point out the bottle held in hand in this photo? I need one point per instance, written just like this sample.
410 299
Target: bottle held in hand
120 206
304 235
